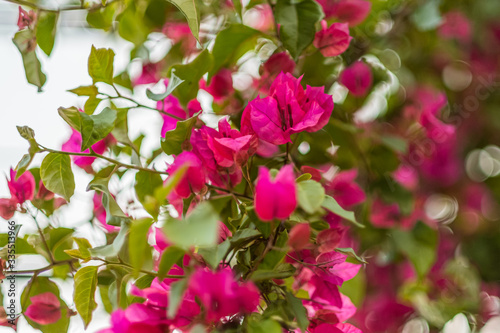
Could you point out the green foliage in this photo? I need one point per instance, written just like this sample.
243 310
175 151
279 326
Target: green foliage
174 139
199 228
177 290
191 74
173 83
297 20
169 257
311 195
46 30
100 65
25 43
85 287
57 175
139 249
332 205
190 11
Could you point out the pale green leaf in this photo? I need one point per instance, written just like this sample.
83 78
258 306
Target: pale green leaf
57 175
85 287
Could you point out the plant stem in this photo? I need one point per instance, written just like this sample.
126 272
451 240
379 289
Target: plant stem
35 272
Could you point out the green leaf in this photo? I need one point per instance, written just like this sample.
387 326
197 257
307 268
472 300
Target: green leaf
264 326
172 143
57 175
311 195
332 205
232 43
85 91
112 250
350 252
297 20
85 287
427 16
26 132
191 74
419 245
39 285
282 271
173 83
100 65
46 30
83 249
114 214
131 25
188 8
214 255
145 185
25 43
303 177
169 257
138 247
200 228
177 290
71 116
96 127
102 18
298 311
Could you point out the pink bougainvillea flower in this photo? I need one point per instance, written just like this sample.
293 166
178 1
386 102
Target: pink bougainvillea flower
337 328
193 180
344 189
277 63
25 19
334 40
74 144
44 309
21 190
221 85
275 198
358 78
150 74
455 25
299 236
329 239
322 313
179 32
407 176
288 109
352 12
221 295
43 193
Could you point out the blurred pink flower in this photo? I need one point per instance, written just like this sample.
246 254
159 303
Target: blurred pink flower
221 85
299 236
221 295
334 40
344 189
455 25
358 78
150 74
275 198
352 12
100 213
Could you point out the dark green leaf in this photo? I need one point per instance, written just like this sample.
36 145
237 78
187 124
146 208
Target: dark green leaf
231 43
96 127
85 287
169 257
282 271
57 175
297 20
191 74
298 310
145 185
214 255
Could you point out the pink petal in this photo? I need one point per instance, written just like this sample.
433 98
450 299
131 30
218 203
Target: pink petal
44 309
